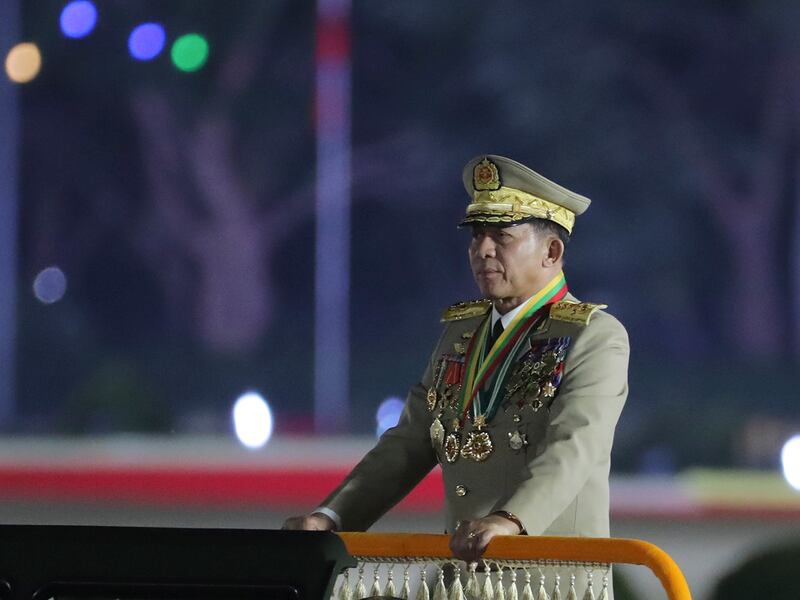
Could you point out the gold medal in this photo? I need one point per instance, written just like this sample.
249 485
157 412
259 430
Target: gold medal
433 395
437 434
533 389
452 446
478 446
432 399
549 361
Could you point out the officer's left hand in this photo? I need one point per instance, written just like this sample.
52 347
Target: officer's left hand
470 538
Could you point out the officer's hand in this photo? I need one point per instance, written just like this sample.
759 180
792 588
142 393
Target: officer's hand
312 522
470 538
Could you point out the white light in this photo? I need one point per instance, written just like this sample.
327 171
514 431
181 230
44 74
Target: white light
252 420
388 414
790 460
50 285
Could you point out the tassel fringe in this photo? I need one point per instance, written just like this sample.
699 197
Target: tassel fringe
423 593
542 593
589 593
361 589
604 591
352 583
344 591
440 592
556 595
488 590
527 591
390 590
457 590
512 593
405 593
499 592
572 594
472 590
375 590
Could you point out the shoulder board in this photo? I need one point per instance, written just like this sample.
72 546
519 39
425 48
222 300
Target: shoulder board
574 312
466 310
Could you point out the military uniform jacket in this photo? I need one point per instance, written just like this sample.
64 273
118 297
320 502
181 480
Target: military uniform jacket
557 482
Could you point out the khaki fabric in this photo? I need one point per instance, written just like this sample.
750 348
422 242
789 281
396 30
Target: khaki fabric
557 485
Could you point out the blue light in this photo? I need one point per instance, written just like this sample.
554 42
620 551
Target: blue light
78 18
388 414
147 41
50 285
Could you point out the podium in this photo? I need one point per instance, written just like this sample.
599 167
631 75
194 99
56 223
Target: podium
44 562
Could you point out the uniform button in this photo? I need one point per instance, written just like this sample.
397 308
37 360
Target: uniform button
461 491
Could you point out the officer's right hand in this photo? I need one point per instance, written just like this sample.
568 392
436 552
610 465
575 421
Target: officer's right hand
312 522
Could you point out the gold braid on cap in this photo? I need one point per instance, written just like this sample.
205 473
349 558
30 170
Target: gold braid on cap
509 205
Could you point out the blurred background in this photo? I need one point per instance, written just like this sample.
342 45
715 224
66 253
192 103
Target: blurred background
228 229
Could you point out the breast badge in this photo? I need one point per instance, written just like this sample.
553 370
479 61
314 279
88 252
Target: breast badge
537 375
432 399
452 446
477 446
517 440
437 434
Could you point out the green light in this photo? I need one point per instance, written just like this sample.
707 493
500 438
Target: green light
190 52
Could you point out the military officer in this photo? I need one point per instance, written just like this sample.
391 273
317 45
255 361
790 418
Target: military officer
522 393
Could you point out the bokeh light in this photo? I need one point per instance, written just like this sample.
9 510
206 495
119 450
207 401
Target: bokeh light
252 420
790 461
50 285
146 41
78 18
23 62
388 414
190 52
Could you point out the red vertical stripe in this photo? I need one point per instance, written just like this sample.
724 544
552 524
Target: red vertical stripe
333 41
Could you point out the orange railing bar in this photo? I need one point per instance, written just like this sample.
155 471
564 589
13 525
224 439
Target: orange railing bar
601 550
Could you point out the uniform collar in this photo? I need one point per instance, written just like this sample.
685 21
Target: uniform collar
538 330
509 316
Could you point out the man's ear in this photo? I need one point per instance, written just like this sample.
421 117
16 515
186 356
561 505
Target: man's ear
555 252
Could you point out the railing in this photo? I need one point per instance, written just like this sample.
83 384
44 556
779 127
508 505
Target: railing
510 562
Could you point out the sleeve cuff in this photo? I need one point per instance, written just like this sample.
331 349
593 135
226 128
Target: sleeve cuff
331 514
513 518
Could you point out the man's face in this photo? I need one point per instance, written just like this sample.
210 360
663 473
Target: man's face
507 262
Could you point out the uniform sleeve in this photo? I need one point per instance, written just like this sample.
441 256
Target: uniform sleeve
397 463
581 426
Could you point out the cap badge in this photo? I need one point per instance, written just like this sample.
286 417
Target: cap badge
485 176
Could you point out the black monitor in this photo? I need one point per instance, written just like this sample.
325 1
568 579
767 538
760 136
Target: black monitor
43 562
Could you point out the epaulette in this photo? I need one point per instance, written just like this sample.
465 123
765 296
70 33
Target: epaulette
574 312
466 310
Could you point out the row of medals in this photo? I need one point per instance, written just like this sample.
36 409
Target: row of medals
477 444
527 382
